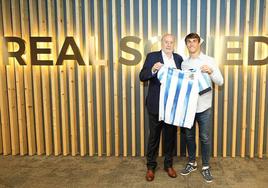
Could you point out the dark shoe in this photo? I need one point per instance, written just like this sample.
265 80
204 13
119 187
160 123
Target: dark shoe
171 172
207 175
149 175
188 169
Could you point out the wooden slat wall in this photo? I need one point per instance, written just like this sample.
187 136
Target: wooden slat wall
263 96
5 125
107 81
159 32
63 82
89 81
133 90
216 89
265 33
81 84
115 26
124 83
72 79
1 142
198 29
179 25
45 77
19 83
54 80
226 85
28 81
100 109
142 104
254 84
235 88
245 81
11 87
37 84
98 78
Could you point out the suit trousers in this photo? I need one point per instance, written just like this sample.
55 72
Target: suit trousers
169 139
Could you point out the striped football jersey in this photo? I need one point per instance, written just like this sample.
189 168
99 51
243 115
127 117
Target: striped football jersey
179 93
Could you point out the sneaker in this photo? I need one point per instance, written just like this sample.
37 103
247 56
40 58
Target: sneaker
190 167
207 175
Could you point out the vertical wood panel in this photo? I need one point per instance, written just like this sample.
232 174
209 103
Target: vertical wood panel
38 112
235 87
262 88
71 82
19 82
254 84
28 79
216 88
54 79
10 70
208 25
178 40
262 110
81 85
98 78
226 85
63 82
169 16
115 77
132 86
188 27
90 100
159 31
45 80
265 32
88 54
124 82
198 31
1 141
142 104
198 19
4 113
107 80
245 81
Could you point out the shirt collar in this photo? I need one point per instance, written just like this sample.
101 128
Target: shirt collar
201 56
165 55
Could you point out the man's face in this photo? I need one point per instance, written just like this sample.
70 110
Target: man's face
193 45
168 44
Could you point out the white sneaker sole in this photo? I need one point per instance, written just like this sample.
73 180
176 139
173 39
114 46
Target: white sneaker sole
208 181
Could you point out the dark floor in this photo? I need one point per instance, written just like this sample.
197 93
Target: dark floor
42 171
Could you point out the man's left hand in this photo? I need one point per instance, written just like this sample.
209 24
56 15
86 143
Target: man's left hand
206 69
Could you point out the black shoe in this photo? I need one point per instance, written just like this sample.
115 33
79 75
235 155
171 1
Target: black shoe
207 175
188 169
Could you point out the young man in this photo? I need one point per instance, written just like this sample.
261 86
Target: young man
197 60
154 61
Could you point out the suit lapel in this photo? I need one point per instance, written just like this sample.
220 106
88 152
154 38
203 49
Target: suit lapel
160 57
176 61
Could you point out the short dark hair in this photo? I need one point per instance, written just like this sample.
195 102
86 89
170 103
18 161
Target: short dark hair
192 36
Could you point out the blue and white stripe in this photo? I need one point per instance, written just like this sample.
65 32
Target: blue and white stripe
179 94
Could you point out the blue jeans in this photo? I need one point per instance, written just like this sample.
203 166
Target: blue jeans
203 120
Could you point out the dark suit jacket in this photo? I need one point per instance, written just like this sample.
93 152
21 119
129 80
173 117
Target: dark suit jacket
152 99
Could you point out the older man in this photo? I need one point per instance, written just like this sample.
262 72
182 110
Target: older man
154 61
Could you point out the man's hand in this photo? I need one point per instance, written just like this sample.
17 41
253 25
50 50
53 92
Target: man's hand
206 69
156 67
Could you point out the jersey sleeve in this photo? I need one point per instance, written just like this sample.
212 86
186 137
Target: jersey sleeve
204 83
162 74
